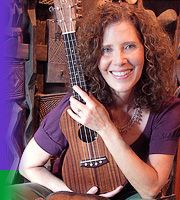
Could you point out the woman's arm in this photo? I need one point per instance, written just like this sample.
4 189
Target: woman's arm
32 167
146 178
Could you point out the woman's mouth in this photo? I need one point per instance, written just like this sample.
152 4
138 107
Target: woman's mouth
121 74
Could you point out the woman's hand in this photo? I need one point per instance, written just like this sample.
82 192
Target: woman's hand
94 190
92 114
72 195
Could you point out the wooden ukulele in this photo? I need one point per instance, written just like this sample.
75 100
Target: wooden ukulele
87 161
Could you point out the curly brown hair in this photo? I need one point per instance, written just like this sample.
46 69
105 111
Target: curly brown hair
156 82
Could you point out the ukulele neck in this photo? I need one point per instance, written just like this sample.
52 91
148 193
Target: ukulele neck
74 63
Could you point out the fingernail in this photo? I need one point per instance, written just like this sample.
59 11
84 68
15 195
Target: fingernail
120 187
74 86
95 188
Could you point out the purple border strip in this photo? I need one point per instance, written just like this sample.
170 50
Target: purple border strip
4 86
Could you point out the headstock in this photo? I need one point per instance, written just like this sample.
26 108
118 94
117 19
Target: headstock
65 14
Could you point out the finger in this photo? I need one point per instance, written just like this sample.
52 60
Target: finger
112 193
76 105
93 190
83 94
74 116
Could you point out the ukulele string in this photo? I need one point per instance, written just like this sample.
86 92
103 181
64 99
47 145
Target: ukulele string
72 72
74 62
82 81
91 132
67 47
77 61
81 78
93 143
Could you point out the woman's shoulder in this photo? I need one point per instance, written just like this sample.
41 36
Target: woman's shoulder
169 106
49 135
52 118
172 100
166 120
165 127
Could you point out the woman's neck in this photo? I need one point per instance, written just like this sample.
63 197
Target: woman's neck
123 102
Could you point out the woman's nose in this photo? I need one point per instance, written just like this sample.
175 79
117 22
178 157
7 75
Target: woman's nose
119 58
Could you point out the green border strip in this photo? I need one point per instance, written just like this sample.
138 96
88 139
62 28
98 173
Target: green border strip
6 179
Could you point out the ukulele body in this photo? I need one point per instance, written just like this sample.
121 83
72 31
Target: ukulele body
87 164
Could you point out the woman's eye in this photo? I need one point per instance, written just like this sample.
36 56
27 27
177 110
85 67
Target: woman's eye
106 49
130 46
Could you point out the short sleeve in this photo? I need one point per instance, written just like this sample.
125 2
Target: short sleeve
166 129
49 135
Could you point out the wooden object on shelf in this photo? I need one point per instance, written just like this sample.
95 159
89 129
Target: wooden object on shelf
57 71
41 52
30 71
44 103
16 79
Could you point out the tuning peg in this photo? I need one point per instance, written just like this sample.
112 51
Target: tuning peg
79 9
51 9
79 16
78 3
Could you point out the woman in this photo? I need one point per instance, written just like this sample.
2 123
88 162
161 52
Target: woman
129 62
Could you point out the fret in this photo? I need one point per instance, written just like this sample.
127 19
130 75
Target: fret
72 62
75 81
78 77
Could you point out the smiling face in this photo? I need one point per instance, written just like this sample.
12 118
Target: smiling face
122 58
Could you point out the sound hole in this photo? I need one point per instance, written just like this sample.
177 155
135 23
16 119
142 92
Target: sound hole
86 135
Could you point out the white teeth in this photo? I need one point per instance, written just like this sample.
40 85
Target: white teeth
121 73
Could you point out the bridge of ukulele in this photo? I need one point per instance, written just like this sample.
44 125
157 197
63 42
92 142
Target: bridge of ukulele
94 163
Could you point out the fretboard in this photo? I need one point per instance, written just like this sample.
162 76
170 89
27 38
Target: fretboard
74 63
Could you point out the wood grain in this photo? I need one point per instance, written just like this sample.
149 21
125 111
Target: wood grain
81 179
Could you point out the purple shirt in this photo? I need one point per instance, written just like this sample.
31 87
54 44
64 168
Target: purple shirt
160 135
